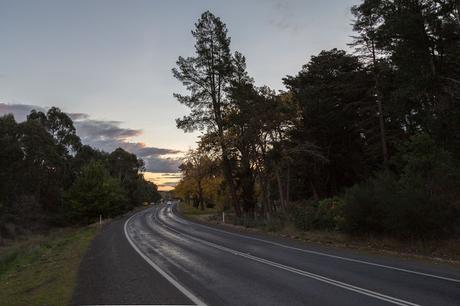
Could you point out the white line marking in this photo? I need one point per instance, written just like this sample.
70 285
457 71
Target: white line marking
318 277
325 254
181 288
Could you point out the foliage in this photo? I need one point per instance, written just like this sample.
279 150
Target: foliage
42 159
202 186
207 76
326 214
423 202
364 142
95 193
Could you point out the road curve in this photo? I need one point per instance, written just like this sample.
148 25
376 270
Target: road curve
210 265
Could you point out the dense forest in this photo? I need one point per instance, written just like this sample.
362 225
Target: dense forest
49 178
365 141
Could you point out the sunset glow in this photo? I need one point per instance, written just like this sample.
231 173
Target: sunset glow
164 181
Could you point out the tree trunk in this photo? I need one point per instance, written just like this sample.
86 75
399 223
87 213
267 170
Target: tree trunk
313 189
266 199
380 110
247 183
382 133
288 185
280 189
200 196
229 182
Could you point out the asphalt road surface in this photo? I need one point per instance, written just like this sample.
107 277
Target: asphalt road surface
157 257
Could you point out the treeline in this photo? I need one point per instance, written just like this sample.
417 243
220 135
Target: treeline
365 142
48 178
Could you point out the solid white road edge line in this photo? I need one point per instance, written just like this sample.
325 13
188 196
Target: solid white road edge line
325 254
181 288
318 277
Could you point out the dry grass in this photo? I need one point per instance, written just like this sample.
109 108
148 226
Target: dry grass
41 270
196 213
447 251
433 250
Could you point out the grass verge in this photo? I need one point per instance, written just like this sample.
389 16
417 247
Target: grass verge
196 213
41 270
446 251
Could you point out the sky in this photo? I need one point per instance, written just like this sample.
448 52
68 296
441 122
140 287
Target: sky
108 62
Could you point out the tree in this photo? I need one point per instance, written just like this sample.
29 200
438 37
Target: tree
243 129
196 168
11 157
127 168
95 193
421 41
366 24
61 128
206 76
44 166
45 173
329 91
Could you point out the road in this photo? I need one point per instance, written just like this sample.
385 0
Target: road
157 257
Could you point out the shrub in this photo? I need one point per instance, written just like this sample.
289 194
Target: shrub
326 214
329 214
303 215
423 202
367 204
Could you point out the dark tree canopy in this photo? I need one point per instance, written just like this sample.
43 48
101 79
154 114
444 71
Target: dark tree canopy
362 142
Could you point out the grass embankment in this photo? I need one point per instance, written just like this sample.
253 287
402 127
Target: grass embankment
196 213
41 270
432 250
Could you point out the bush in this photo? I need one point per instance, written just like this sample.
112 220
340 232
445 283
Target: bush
303 214
422 202
367 205
329 214
326 214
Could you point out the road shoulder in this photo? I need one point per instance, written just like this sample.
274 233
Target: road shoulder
112 272
357 248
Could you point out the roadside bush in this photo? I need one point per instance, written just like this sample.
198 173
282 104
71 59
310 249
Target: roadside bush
274 224
329 214
368 204
325 214
423 202
303 215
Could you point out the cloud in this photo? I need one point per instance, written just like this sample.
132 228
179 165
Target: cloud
100 130
284 19
78 116
169 184
19 111
107 136
171 175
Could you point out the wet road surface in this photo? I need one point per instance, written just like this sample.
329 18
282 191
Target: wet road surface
160 258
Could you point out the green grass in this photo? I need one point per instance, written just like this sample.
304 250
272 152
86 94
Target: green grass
197 213
41 270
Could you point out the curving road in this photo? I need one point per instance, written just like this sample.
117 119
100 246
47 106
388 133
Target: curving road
183 262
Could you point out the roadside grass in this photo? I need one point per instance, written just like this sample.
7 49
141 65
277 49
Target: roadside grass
196 213
446 250
42 269
431 250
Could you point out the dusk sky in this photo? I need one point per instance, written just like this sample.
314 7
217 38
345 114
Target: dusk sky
109 62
